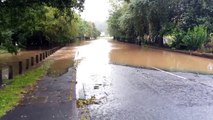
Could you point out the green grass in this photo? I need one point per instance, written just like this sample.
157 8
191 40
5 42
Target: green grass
12 93
3 51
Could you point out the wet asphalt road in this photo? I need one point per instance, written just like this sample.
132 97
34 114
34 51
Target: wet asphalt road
129 93
52 99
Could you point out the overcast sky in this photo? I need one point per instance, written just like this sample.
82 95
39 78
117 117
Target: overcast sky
96 10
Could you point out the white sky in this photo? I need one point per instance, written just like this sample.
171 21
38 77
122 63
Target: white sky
96 10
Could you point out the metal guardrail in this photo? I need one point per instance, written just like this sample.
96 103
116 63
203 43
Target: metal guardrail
7 70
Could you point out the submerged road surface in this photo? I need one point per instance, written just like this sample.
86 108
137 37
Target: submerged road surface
135 93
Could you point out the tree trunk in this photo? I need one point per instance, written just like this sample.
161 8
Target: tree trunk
160 41
150 38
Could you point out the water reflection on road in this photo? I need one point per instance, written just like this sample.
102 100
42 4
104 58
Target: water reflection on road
93 64
127 93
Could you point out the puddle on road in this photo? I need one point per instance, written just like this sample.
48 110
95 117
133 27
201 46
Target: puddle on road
63 60
92 65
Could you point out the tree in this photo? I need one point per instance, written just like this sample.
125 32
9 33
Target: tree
157 18
26 23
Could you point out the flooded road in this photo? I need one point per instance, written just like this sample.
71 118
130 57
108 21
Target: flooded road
129 93
128 54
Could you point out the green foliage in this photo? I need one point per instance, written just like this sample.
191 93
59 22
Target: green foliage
12 93
87 29
157 18
193 39
211 37
179 35
40 23
6 39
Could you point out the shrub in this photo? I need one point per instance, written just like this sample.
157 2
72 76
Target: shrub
178 36
195 38
6 39
211 37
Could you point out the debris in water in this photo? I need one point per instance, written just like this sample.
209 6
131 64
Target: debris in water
96 87
83 102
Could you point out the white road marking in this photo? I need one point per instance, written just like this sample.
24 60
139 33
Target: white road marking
169 73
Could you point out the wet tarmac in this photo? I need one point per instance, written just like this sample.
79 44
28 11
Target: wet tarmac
135 93
128 93
52 99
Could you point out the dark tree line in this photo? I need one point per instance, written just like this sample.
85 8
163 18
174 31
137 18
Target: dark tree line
189 22
41 23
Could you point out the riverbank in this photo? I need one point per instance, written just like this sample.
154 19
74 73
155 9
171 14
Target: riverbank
188 52
194 53
2 51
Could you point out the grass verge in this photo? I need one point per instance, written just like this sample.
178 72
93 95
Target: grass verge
3 51
13 92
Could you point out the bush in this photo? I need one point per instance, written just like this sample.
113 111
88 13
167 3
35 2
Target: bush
193 39
178 36
6 39
211 37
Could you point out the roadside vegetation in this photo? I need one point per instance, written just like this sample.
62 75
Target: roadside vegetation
2 51
188 22
42 24
12 92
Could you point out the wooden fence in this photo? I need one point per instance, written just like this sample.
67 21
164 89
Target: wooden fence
23 65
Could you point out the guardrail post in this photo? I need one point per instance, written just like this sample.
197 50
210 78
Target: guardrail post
46 54
27 63
32 61
1 80
10 72
43 56
36 59
20 67
40 57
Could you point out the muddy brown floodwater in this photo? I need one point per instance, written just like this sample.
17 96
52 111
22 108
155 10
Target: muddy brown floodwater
134 55
7 57
128 54
10 59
